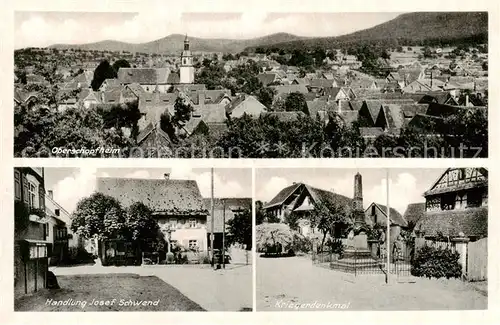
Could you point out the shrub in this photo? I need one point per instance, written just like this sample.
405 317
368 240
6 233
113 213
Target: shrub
204 259
78 255
170 258
336 247
301 243
434 262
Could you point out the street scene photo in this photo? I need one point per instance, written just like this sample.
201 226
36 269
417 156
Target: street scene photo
371 239
155 84
132 239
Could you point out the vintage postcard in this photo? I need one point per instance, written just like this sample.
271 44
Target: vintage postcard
350 85
267 161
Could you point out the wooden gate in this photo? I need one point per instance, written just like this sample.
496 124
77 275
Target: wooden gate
477 260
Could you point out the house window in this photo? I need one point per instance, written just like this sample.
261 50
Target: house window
17 184
461 173
31 194
173 223
474 199
461 199
193 244
192 223
448 201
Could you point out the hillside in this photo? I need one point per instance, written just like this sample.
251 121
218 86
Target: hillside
419 28
174 43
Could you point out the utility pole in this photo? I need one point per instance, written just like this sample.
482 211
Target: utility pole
388 233
212 235
223 233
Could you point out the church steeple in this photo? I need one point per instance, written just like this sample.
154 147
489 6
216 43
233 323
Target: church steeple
187 69
186 43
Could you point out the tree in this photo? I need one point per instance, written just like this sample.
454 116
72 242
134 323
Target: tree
468 128
103 71
296 102
182 111
329 217
98 216
141 227
484 66
121 63
240 229
427 52
266 96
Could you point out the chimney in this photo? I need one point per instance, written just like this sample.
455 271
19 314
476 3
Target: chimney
431 80
467 100
166 176
340 106
51 194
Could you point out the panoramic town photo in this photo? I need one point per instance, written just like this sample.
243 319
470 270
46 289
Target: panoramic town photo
123 239
239 85
348 239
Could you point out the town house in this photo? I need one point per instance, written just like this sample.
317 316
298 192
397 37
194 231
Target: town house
177 205
31 245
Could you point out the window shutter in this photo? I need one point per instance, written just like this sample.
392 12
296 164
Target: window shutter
17 185
25 189
41 197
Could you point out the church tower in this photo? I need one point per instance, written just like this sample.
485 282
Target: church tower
357 202
187 69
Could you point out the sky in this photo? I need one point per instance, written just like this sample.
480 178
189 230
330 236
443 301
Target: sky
69 185
44 28
405 185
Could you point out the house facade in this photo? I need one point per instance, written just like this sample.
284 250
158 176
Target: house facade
299 199
177 206
31 244
376 214
456 205
225 209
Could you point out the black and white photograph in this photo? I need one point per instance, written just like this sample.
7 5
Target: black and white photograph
371 239
160 83
132 239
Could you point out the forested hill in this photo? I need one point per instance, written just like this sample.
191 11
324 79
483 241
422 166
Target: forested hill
174 43
419 28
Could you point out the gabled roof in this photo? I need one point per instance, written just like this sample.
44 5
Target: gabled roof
321 83
144 76
282 195
318 195
373 107
267 78
473 222
414 212
472 184
393 116
396 217
171 197
315 106
293 88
